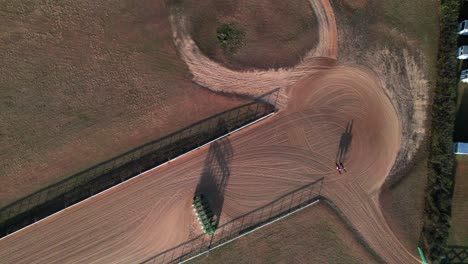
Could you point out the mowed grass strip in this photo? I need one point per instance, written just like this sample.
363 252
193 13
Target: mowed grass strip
459 224
314 235
83 81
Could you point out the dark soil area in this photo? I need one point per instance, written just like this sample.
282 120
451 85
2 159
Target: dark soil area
277 33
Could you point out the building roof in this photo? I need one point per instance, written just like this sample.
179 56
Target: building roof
461 148
462 50
463 23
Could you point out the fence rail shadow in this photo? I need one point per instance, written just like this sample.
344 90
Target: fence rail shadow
279 207
455 255
105 175
215 176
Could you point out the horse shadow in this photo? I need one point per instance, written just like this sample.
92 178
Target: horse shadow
345 143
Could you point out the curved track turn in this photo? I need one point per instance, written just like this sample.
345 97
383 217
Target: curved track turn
335 113
296 146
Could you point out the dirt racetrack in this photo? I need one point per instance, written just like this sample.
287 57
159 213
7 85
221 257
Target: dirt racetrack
334 114
295 147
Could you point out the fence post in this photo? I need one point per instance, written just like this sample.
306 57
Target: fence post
290 205
276 100
242 224
164 257
271 211
183 249
191 248
237 116
172 255
222 232
302 195
321 185
256 110
202 245
310 193
281 207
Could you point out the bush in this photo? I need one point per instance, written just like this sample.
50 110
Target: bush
441 160
230 37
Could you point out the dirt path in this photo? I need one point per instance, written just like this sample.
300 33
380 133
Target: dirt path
295 147
214 76
335 113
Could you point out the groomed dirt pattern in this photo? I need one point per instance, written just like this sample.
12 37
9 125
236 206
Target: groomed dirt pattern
330 110
314 235
293 148
283 42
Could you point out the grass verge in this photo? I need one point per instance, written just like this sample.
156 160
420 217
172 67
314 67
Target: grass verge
300 238
459 225
441 159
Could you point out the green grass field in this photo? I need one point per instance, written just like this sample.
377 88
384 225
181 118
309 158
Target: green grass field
406 16
404 204
459 225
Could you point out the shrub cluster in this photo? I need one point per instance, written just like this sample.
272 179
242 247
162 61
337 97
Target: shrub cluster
439 193
230 37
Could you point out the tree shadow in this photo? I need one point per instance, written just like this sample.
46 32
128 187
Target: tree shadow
345 142
215 176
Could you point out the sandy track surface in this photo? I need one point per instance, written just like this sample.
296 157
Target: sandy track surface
335 113
294 147
214 76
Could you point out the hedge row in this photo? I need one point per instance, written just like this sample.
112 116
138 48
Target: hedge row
441 160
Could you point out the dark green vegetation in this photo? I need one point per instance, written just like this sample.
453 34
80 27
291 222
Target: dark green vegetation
205 215
441 160
265 33
230 37
126 166
459 224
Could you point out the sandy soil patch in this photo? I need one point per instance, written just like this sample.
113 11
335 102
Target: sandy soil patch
329 113
293 148
216 77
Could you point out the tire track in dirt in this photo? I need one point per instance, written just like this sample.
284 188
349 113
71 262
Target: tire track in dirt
293 148
152 213
218 78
